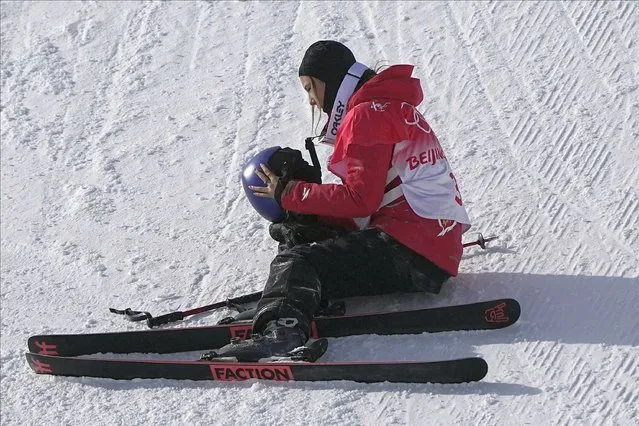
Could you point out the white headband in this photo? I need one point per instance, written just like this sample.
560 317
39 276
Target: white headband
346 89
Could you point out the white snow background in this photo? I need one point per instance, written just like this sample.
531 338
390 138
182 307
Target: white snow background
125 126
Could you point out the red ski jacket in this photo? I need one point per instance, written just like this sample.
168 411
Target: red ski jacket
363 152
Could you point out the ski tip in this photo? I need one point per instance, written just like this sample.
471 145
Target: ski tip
475 369
501 313
482 368
516 308
453 371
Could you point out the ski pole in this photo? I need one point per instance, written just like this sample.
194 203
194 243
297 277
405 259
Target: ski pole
481 241
152 321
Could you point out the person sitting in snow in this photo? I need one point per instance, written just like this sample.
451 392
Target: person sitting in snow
398 194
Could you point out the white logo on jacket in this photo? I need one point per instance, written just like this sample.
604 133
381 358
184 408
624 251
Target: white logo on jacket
446 226
417 119
379 107
305 193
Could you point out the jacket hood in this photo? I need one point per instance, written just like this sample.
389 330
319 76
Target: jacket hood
395 82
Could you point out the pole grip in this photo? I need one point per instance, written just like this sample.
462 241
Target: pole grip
247 298
165 319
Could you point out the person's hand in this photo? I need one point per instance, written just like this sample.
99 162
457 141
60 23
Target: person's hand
275 187
270 179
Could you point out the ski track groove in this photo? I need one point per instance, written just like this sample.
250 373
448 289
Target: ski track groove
575 375
564 62
521 267
560 101
485 90
50 197
630 213
381 408
231 193
367 21
197 38
590 35
399 34
586 30
255 140
581 384
603 154
554 354
627 12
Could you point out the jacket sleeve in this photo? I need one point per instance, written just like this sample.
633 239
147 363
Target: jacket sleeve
359 195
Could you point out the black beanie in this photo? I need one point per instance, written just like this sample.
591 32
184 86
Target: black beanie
328 61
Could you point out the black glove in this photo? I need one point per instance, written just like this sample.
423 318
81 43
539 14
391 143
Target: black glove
302 229
289 164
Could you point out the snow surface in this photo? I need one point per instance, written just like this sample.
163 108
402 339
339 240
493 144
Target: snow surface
124 129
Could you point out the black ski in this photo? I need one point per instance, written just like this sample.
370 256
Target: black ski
486 315
451 371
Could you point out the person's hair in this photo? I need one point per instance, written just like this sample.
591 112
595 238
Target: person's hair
368 74
313 126
380 66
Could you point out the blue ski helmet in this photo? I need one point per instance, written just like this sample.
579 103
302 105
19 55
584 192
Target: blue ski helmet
266 207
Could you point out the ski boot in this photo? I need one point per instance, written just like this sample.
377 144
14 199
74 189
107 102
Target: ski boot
279 339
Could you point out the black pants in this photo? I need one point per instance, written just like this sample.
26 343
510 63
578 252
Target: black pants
362 263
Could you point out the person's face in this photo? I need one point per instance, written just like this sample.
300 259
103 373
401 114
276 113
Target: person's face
315 89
